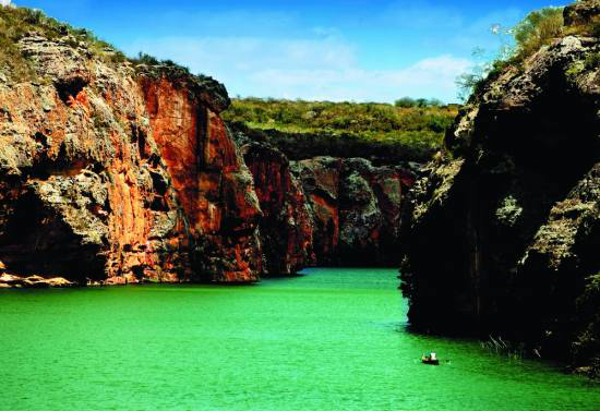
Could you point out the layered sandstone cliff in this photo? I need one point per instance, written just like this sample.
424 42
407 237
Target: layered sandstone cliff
502 237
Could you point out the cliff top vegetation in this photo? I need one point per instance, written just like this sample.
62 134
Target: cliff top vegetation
19 22
410 130
539 29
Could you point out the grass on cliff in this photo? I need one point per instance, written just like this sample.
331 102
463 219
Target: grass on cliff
304 129
538 29
19 22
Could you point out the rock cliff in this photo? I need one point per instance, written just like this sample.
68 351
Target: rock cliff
116 171
502 235
325 211
286 228
110 172
355 208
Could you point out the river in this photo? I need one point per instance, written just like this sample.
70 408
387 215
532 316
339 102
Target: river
332 339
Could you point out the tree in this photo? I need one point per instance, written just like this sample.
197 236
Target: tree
405 102
537 30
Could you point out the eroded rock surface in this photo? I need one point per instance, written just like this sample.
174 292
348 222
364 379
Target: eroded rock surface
210 178
118 172
503 238
355 208
286 228
106 172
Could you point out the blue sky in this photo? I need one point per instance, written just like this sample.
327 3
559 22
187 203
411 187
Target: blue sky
326 50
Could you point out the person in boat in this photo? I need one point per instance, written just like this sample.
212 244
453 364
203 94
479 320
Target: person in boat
430 359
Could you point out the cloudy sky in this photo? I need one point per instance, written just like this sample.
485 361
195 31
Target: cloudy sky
361 50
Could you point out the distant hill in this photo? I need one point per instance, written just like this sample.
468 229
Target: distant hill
304 129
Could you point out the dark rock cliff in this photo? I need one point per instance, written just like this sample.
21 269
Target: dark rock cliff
355 208
502 237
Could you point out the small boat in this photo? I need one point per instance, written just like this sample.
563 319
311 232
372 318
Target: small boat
430 359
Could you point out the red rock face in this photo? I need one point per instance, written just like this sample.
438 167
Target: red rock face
286 227
211 181
355 209
79 196
116 176
105 176
320 178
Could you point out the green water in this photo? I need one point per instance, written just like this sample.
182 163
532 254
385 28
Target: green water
331 340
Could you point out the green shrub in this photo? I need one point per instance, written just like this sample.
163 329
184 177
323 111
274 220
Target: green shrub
408 102
306 129
537 30
143 58
592 61
18 22
589 28
405 102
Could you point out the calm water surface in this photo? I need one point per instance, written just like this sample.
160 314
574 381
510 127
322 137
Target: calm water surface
331 340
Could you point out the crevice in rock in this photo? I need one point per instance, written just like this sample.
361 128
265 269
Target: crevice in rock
138 137
69 88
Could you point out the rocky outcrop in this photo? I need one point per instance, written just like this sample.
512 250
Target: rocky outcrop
12 281
503 237
113 172
582 12
286 228
116 171
355 208
211 181
324 211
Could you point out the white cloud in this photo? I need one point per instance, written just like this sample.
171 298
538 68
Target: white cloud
428 78
249 53
323 68
5 2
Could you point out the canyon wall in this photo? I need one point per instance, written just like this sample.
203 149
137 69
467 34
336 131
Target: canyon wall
115 172
502 235
325 211
286 228
355 208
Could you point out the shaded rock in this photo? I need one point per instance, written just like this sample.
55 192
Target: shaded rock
355 209
286 227
320 179
503 236
581 12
